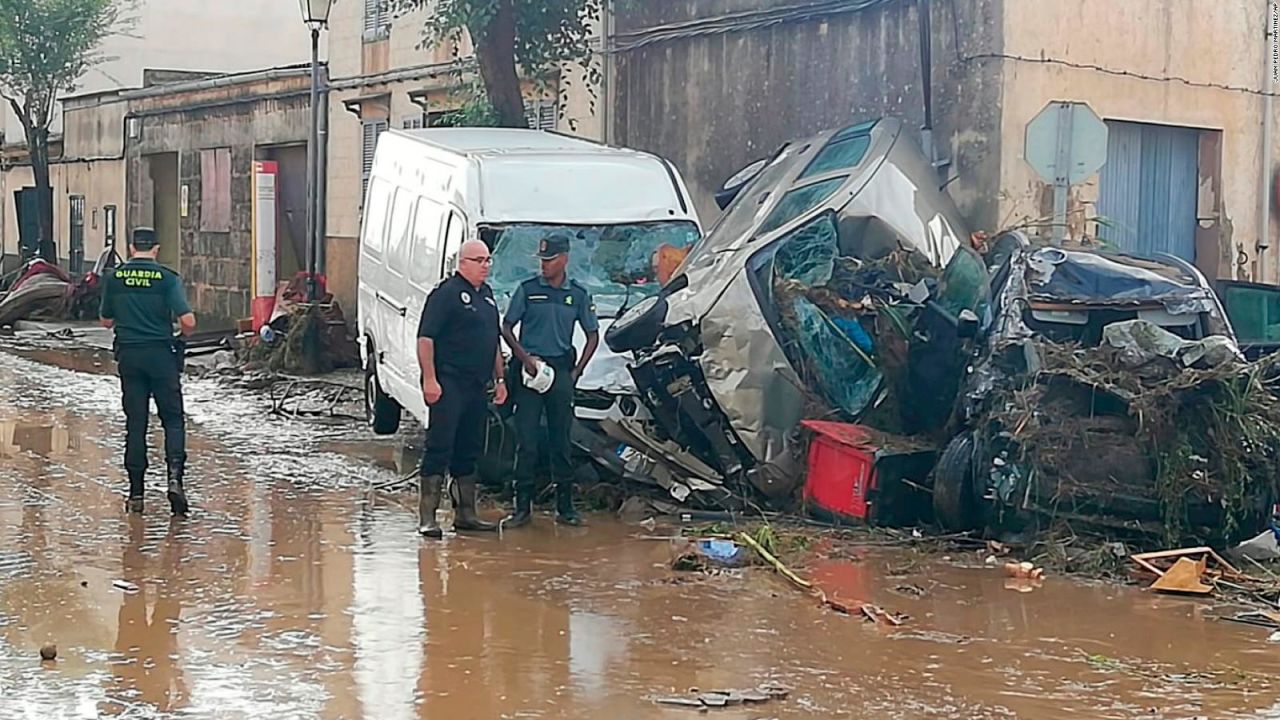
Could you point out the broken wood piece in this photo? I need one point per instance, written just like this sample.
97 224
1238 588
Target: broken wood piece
775 562
678 702
1183 577
1145 560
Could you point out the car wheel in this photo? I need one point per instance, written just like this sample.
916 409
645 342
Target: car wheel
953 495
382 412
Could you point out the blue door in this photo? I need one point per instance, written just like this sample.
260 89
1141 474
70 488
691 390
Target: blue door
1148 199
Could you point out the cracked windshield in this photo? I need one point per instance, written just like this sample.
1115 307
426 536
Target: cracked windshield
619 265
576 359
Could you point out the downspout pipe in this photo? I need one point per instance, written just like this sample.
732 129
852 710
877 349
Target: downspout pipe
1270 67
926 78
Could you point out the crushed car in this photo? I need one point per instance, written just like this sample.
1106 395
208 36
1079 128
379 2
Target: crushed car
781 313
1108 392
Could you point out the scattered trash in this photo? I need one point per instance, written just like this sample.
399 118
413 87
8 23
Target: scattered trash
1185 570
1023 571
125 585
775 562
49 652
727 698
1260 618
1022 585
878 615
1184 577
700 555
1264 547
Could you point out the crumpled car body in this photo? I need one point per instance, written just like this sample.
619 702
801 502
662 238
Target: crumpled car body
717 352
1050 305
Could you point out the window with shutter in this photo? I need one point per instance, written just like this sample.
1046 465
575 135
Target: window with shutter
371 129
377 20
541 114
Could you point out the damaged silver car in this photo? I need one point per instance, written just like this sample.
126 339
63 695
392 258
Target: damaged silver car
774 316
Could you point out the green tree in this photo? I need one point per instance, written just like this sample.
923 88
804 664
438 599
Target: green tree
45 47
514 37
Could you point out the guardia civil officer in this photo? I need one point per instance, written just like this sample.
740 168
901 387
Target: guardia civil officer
141 299
458 355
546 308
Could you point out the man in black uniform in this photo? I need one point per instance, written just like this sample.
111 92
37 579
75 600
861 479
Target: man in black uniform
546 308
458 354
140 301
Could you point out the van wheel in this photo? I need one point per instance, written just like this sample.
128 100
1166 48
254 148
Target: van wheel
954 507
382 412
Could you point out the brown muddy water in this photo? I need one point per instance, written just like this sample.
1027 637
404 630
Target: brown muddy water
296 593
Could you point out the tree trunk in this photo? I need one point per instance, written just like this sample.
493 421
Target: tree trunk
38 146
496 55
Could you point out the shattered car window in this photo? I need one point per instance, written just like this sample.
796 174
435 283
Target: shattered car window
819 312
618 264
965 285
801 200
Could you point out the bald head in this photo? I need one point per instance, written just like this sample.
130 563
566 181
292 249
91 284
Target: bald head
474 262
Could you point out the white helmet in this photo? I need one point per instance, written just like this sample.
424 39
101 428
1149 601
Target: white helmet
541 382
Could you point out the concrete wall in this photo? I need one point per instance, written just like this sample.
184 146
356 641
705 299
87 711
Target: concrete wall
1187 51
713 102
216 266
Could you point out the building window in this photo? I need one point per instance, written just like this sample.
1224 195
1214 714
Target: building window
377 20
414 122
541 114
215 190
370 130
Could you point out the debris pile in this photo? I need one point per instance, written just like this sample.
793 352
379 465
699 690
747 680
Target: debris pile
1145 434
43 291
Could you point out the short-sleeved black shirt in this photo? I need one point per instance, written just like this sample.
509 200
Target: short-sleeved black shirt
143 297
463 322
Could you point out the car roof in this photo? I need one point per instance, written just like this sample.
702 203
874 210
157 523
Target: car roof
484 141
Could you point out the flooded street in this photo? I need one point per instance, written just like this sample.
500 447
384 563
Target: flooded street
294 592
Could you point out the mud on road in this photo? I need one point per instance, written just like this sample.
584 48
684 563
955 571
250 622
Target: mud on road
297 593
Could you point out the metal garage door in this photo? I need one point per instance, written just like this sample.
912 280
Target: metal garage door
1148 198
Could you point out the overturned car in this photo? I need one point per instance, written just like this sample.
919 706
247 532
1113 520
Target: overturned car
774 317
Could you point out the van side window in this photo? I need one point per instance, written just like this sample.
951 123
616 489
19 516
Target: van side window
398 232
425 242
375 215
454 236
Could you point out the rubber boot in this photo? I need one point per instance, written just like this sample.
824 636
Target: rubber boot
136 490
465 518
177 493
565 512
524 508
428 502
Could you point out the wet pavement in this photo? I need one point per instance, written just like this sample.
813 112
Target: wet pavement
297 593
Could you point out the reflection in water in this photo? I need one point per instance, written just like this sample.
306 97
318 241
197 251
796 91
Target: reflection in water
46 440
146 667
387 622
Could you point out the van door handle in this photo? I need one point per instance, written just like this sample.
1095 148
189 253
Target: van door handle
400 309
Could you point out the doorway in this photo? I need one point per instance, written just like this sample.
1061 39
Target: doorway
1149 189
162 169
291 206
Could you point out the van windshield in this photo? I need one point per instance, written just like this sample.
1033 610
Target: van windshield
618 264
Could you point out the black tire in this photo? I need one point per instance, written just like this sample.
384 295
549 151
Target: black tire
954 507
382 413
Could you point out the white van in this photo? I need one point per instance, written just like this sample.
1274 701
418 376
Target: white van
431 190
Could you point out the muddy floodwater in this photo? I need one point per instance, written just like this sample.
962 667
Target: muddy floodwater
295 592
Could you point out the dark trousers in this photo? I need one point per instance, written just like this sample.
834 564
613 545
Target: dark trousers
557 405
456 427
146 372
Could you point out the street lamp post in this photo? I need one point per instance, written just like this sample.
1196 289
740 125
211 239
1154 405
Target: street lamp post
315 13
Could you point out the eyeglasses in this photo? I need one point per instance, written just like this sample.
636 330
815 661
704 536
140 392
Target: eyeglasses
480 260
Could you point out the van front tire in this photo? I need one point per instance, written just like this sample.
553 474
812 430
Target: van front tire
382 412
